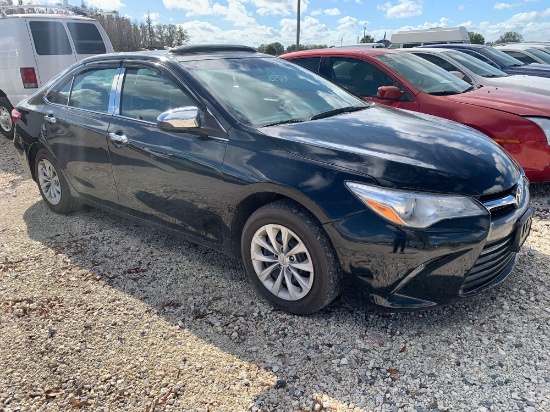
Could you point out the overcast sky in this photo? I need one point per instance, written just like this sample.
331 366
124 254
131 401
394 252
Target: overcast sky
333 22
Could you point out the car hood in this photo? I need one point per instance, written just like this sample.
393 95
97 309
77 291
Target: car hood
403 149
532 84
507 100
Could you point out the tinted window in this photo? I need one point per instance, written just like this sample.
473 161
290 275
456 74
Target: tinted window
522 57
91 90
62 96
358 76
50 38
86 38
478 56
438 61
477 66
146 94
311 63
545 57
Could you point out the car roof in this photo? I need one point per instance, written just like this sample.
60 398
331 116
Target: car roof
46 16
351 50
185 53
455 46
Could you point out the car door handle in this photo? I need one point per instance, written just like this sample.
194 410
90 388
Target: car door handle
50 119
118 139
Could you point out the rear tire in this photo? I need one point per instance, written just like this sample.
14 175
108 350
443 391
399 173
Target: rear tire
6 124
290 259
52 184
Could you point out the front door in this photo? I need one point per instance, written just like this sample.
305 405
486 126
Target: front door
169 178
364 79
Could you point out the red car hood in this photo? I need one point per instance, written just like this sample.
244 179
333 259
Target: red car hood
507 100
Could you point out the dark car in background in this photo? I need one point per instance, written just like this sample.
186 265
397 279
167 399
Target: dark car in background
498 59
259 158
519 121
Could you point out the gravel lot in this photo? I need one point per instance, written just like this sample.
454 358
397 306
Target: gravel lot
98 313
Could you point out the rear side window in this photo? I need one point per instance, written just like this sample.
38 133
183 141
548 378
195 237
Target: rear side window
522 57
311 63
91 90
438 61
50 38
86 38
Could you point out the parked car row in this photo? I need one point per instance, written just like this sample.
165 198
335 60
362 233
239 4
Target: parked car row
517 120
309 184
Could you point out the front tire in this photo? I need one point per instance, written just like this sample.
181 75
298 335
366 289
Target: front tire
52 184
6 124
290 259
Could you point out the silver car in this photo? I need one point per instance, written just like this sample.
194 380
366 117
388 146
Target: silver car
527 52
478 73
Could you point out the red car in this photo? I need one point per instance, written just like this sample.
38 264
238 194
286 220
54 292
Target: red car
519 121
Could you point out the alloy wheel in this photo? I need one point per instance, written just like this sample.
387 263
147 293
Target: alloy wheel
48 180
282 262
5 119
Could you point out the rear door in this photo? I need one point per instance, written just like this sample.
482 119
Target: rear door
76 119
51 46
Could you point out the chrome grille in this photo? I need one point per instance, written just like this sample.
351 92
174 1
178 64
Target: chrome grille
491 263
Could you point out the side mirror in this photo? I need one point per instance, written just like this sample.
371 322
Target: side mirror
180 119
389 93
458 74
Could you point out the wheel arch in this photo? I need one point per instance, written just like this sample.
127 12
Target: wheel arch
248 204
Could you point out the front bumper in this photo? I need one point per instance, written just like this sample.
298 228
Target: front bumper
406 269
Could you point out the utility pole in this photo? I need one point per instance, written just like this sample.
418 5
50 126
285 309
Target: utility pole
298 27
364 30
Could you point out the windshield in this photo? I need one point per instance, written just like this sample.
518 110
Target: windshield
502 57
475 65
545 57
265 91
424 75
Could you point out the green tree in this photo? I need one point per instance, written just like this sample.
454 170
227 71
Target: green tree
510 37
367 38
476 38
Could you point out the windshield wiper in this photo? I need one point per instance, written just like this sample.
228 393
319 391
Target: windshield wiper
285 122
449 92
341 110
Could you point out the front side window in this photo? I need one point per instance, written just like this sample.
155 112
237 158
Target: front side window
424 75
91 90
522 57
358 76
86 38
264 91
63 95
147 93
50 38
475 65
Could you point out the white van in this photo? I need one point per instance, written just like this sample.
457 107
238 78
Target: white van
414 38
35 47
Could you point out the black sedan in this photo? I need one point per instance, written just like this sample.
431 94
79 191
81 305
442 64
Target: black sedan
257 157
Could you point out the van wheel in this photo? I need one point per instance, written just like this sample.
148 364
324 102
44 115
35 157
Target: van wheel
290 259
52 184
6 124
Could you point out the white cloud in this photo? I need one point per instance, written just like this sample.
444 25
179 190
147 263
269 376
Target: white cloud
204 32
316 12
193 7
461 7
403 8
358 1
504 6
235 12
277 7
332 12
154 16
105 4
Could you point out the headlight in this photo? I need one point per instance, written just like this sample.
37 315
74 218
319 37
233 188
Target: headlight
415 209
544 124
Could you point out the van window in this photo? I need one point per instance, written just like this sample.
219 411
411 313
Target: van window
86 38
50 38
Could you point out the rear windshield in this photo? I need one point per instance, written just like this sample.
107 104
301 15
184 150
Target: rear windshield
86 38
502 57
50 38
474 64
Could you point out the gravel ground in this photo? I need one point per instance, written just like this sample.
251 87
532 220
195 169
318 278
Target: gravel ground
98 313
